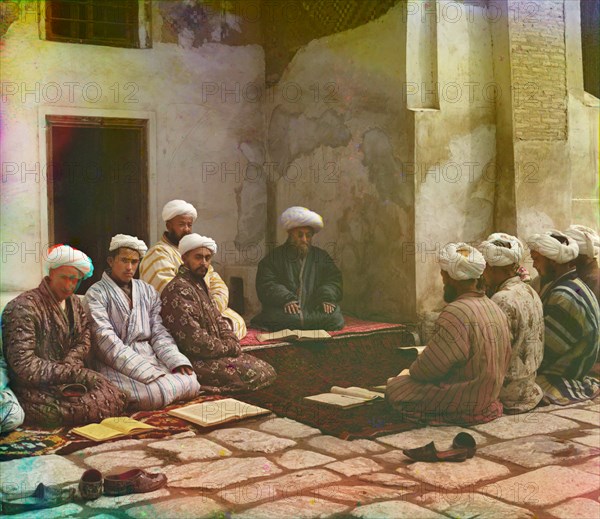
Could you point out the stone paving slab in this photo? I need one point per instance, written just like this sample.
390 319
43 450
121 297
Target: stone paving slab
337 447
300 507
472 505
250 440
220 473
392 480
394 510
394 457
24 475
526 424
581 415
68 510
288 428
542 487
355 466
442 436
591 466
579 508
192 449
301 459
454 476
120 501
182 508
118 461
113 446
591 439
283 486
536 451
359 494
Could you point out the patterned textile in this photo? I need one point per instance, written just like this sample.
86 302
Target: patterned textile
46 347
458 377
202 334
525 313
284 277
133 349
11 412
160 265
572 339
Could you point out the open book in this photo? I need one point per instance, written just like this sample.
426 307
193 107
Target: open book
217 412
294 335
110 428
346 397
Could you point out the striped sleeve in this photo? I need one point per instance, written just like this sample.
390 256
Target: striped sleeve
158 268
563 329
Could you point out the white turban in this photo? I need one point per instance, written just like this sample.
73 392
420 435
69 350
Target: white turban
587 239
551 248
65 256
178 208
499 256
461 261
131 242
301 217
193 241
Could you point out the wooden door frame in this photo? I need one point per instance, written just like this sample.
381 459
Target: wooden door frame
46 114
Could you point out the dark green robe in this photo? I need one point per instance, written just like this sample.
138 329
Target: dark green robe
284 277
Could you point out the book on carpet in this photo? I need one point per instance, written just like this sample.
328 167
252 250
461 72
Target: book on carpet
294 335
110 428
346 397
217 412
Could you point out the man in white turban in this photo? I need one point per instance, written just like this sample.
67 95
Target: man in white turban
523 308
131 346
458 376
586 263
298 284
200 330
572 321
163 260
46 341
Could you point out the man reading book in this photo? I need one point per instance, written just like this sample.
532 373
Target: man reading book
200 330
298 284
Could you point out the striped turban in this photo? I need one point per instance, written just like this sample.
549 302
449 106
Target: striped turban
65 256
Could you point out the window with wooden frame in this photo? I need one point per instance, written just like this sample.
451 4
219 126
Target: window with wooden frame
97 22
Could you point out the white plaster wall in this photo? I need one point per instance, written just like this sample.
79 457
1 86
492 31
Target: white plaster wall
198 126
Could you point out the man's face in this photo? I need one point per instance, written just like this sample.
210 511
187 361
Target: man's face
544 266
63 281
124 265
301 238
197 261
178 227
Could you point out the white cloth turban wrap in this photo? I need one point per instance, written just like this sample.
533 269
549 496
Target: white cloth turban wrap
131 242
551 248
461 261
301 217
499 256
193 241
587 239
178 208
65 256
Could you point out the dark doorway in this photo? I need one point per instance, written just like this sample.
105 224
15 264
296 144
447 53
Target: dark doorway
97 184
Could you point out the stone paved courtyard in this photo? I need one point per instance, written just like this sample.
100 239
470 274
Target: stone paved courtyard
543 464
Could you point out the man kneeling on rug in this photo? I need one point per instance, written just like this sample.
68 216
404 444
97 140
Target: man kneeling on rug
200 330
46 345
459 375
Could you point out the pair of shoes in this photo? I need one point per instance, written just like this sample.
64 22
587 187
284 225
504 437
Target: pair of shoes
42 497
90 484
135 481
463 447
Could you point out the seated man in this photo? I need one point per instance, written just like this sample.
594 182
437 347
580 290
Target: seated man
163 260
586 262
11 412
458 376
523 307
572 321
132 348
199 328
46 341
298 284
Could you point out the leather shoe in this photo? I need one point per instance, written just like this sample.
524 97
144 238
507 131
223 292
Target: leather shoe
463 447
133 481
465 441
90 484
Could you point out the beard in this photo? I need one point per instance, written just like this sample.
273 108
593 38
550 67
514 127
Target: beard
173 238
548 276
450 293
302 250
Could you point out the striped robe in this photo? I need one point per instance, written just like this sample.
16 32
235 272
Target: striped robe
458 376
11 412
133 349
572 340
160 265
525 313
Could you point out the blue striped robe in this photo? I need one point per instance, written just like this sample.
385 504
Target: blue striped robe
572 340
133 349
